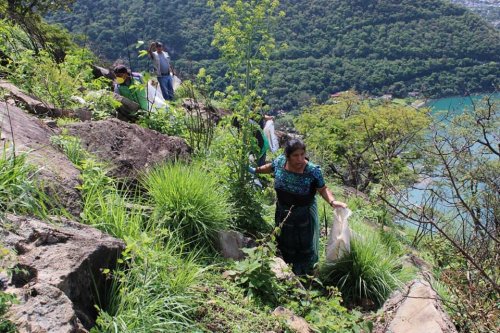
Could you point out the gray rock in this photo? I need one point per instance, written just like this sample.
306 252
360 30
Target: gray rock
231 242
128 148
46 309
414 310
281 269
35 106
296 323
58 274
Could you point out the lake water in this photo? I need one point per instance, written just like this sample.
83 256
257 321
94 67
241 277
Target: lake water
459 104
455 105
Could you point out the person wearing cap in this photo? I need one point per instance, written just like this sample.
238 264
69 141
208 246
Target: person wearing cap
161 63
128 84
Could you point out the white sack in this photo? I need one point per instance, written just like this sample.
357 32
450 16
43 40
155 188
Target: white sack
271 136
176 82
339 239
155 98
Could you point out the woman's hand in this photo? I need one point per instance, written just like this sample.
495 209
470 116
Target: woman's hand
338 204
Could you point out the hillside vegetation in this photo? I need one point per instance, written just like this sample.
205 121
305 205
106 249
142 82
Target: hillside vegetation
170 279
376 47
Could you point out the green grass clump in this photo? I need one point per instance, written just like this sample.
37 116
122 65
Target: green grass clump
19 191
71 147
189 200
153 290
369 271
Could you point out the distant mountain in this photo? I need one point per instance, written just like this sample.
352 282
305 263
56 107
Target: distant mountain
374 46
489 9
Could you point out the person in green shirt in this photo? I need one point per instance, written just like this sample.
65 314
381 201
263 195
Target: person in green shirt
128 85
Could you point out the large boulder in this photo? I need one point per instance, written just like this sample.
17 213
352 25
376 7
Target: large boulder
27 133
128 148
57 275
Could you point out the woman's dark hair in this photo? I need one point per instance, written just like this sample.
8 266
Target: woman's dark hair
293 145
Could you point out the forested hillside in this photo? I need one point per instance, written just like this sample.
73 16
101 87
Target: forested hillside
383 46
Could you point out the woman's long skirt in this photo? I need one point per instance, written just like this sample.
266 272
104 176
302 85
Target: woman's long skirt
298 241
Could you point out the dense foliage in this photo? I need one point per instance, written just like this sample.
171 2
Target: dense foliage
379 47
357 139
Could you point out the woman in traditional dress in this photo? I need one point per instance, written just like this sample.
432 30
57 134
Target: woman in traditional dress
296 183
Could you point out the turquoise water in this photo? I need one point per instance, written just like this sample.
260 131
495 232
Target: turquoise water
459 104
454 105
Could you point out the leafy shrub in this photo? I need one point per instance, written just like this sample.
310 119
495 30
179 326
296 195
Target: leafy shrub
369 271
5 302
189 200
254 274
47 80
101 102
326 314
169 121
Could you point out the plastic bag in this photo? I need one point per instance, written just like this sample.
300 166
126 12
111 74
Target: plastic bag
155 98
176 82
339 239
271 136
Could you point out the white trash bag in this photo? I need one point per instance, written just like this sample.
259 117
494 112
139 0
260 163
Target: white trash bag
271 136
176 82
339 239
155 98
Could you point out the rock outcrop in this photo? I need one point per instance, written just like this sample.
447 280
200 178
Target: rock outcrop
415 309
128 148
57 274
28 134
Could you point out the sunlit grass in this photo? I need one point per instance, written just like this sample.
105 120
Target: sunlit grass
154 288
20 192
189 200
